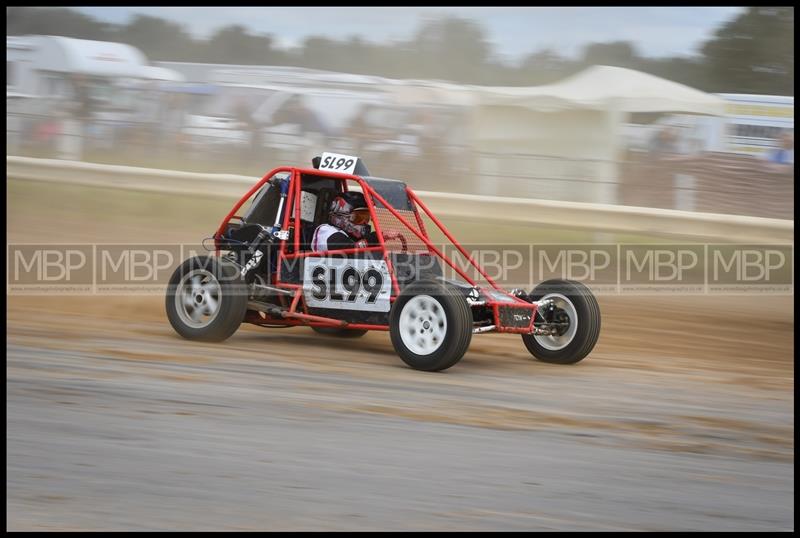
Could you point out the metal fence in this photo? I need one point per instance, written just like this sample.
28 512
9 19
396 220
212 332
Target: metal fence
715 183
709 182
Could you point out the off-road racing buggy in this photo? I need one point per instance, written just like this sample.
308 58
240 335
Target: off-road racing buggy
264 272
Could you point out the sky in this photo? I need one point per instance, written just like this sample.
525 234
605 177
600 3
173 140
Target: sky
512 31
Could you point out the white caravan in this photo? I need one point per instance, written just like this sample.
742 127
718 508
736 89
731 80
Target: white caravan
44 67
753 125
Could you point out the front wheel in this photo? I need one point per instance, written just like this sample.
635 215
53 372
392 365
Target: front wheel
572 309
206 299
430 325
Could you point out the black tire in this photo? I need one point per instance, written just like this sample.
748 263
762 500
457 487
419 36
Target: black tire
588 327
452 337
340 333
230 299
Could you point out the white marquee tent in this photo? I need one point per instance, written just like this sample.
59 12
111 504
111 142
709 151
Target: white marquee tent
569 132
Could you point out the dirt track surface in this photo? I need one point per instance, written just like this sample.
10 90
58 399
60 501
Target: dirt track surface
681 419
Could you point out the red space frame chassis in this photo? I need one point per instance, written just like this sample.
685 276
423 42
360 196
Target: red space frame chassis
292 316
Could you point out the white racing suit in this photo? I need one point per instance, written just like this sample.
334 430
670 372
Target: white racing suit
329 237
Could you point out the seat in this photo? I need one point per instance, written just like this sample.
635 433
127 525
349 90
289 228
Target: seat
310 220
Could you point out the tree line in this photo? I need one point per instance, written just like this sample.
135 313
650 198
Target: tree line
753 53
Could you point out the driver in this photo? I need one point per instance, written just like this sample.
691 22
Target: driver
348 224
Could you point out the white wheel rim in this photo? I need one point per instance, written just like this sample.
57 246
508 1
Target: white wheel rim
197 298
423 325
556 343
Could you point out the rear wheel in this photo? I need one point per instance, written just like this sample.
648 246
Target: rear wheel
206 299
573 309
430 325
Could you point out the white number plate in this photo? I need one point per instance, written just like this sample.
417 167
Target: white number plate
336 162
347 284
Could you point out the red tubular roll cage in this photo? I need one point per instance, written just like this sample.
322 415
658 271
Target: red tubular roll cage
291 316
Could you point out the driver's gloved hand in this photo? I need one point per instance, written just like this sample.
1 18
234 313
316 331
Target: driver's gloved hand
372 238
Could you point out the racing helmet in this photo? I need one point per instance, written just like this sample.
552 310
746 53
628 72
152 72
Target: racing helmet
349 213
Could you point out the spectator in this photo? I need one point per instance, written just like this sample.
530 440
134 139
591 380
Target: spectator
75 132
784 153
297 112
83 102
664 143
358 130
243 112
172 118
